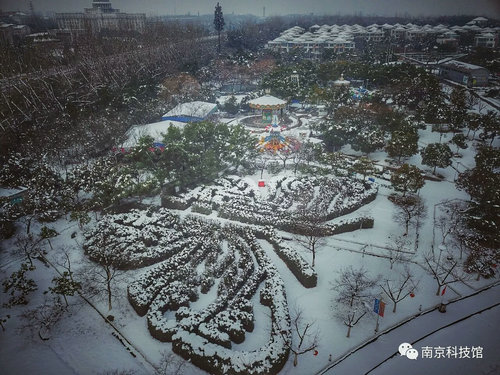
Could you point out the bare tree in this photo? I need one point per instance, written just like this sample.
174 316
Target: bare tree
306 153
284 155
355 290
411 209
399 288
306 332
65 284
170 364
29 246
260 162
449 219
480 105
100 277
445 271
459 241
396 251
350 315
44 317
308 218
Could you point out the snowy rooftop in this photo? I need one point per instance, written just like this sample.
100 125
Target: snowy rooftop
8 192
266 100
341 81
298 35
154 130
192 109
462 65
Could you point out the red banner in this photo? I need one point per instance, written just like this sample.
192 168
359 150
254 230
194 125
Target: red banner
381 309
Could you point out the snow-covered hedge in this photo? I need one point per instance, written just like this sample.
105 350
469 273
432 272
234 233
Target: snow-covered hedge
330 229
175 203
232 256
135 239
202 208
194 257
268 359
235 199
295 263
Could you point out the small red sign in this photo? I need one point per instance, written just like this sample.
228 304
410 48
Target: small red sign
262 183
412 294
316 352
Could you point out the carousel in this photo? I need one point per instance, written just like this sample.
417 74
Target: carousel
269 105
274 141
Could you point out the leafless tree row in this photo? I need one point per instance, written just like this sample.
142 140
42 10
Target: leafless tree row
53 110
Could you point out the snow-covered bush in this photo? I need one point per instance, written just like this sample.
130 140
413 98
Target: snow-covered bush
233 198
227 264
202 208
136 238
230 260
301 269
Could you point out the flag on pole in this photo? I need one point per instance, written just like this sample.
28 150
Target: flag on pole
379 307
444 290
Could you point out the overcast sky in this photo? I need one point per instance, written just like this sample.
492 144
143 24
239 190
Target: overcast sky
488 8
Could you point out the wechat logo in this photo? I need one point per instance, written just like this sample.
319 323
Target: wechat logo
407 350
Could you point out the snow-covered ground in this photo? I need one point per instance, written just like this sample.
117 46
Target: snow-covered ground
463 325
83 343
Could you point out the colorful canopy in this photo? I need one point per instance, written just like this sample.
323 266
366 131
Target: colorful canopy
267 102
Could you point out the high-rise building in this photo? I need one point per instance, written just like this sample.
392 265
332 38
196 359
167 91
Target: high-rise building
101 17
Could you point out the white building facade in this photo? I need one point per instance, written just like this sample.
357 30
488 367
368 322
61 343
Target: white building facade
101 17
313 42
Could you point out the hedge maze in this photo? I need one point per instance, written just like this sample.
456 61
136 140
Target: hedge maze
205 275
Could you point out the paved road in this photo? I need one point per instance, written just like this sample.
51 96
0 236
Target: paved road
385 345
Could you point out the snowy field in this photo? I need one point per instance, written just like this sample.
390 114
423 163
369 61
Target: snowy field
84 343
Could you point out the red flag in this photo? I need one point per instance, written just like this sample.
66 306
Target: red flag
381 309
444 290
